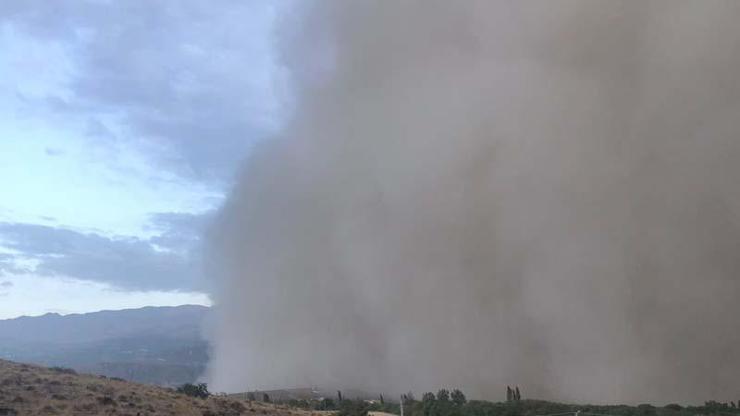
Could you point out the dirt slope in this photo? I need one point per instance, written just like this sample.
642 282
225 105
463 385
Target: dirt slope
32 390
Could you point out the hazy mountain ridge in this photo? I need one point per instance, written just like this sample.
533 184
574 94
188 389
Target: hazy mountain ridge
160 345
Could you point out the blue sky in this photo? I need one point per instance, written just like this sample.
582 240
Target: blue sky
122 125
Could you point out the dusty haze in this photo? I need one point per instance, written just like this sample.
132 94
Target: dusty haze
479 193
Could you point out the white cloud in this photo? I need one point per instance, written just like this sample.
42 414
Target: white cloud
114 110
169 261
190 85
82 189
111 112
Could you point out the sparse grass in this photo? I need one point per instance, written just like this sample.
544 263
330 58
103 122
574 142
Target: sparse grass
32 390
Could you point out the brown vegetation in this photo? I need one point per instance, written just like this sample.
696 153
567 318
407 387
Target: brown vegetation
32 390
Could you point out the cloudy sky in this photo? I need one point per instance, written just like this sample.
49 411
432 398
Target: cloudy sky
122 124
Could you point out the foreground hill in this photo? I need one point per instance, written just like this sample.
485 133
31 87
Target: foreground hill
159 345
32 390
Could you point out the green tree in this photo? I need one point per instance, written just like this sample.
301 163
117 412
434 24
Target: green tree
458 397
674 407
194 390
443 395
645 409
352 408
327 404
428 402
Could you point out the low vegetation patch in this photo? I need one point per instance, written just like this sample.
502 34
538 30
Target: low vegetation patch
63 370
199 390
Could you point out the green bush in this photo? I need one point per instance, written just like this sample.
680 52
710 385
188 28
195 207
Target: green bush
673 406
353 408
458 397
199 390
63 370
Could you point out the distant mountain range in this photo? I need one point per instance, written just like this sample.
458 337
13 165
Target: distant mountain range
158 345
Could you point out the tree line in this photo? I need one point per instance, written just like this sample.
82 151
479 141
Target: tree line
455 403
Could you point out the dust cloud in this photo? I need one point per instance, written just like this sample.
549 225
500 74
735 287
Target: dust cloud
477 193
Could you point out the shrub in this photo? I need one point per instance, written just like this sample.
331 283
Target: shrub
63 370
199 390
48 410
238 407
352 408
673 406
106 401
443 395
326 404
6 411
458 397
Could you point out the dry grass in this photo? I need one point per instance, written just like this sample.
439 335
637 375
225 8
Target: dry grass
31 390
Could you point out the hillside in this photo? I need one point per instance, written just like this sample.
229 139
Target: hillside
33 390
159 345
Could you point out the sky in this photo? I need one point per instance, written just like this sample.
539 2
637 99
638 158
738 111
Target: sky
122 126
